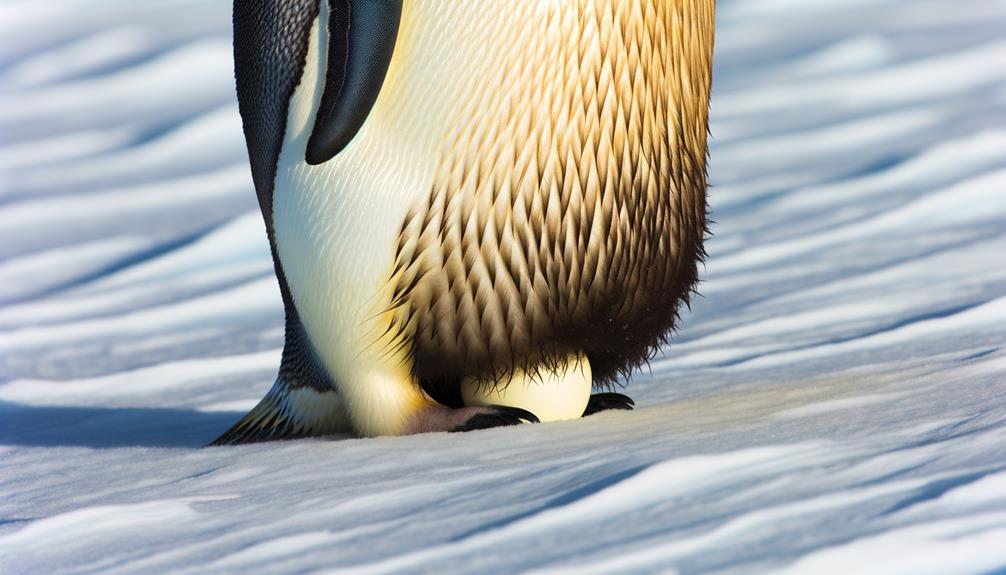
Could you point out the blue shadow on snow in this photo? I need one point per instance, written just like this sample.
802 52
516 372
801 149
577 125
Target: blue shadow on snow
107 427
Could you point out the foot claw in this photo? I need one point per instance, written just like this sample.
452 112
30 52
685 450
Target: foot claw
608 401
499 416
518 412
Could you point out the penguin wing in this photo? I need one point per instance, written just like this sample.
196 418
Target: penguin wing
270 47
361 40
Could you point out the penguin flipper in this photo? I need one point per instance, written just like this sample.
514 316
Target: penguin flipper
361 41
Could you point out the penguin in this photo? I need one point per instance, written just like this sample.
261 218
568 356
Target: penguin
480 211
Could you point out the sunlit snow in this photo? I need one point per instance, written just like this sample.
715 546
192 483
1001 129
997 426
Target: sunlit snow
834 403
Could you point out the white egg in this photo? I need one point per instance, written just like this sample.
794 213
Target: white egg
552 396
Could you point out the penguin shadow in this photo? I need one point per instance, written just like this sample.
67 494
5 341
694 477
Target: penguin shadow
108 427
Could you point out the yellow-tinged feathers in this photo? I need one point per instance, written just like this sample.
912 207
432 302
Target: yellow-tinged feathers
529 185
568 204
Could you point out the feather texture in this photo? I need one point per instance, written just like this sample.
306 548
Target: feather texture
568 209
528 187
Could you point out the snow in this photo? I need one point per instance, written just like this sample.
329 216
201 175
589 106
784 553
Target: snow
834 403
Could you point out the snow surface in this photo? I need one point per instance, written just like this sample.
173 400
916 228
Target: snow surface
836 402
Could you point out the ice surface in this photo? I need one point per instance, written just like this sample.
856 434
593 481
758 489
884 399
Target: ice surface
834 403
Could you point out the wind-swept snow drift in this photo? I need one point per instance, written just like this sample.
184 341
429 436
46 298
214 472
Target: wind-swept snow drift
836 402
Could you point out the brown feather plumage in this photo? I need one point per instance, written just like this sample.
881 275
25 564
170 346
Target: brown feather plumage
577 223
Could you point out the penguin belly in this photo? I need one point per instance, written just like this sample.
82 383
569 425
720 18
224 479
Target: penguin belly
553 394
336 225
566 212
485 226
514 213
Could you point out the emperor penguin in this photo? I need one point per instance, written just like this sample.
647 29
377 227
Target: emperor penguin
480 211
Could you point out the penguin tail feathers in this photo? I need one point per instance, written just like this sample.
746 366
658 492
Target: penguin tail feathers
289 413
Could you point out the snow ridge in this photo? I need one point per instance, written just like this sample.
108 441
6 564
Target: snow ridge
834 403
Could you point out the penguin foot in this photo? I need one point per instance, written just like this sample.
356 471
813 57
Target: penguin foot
608 401
441 418
497 416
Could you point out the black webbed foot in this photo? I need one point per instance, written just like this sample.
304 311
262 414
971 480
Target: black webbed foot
608 401
497 416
